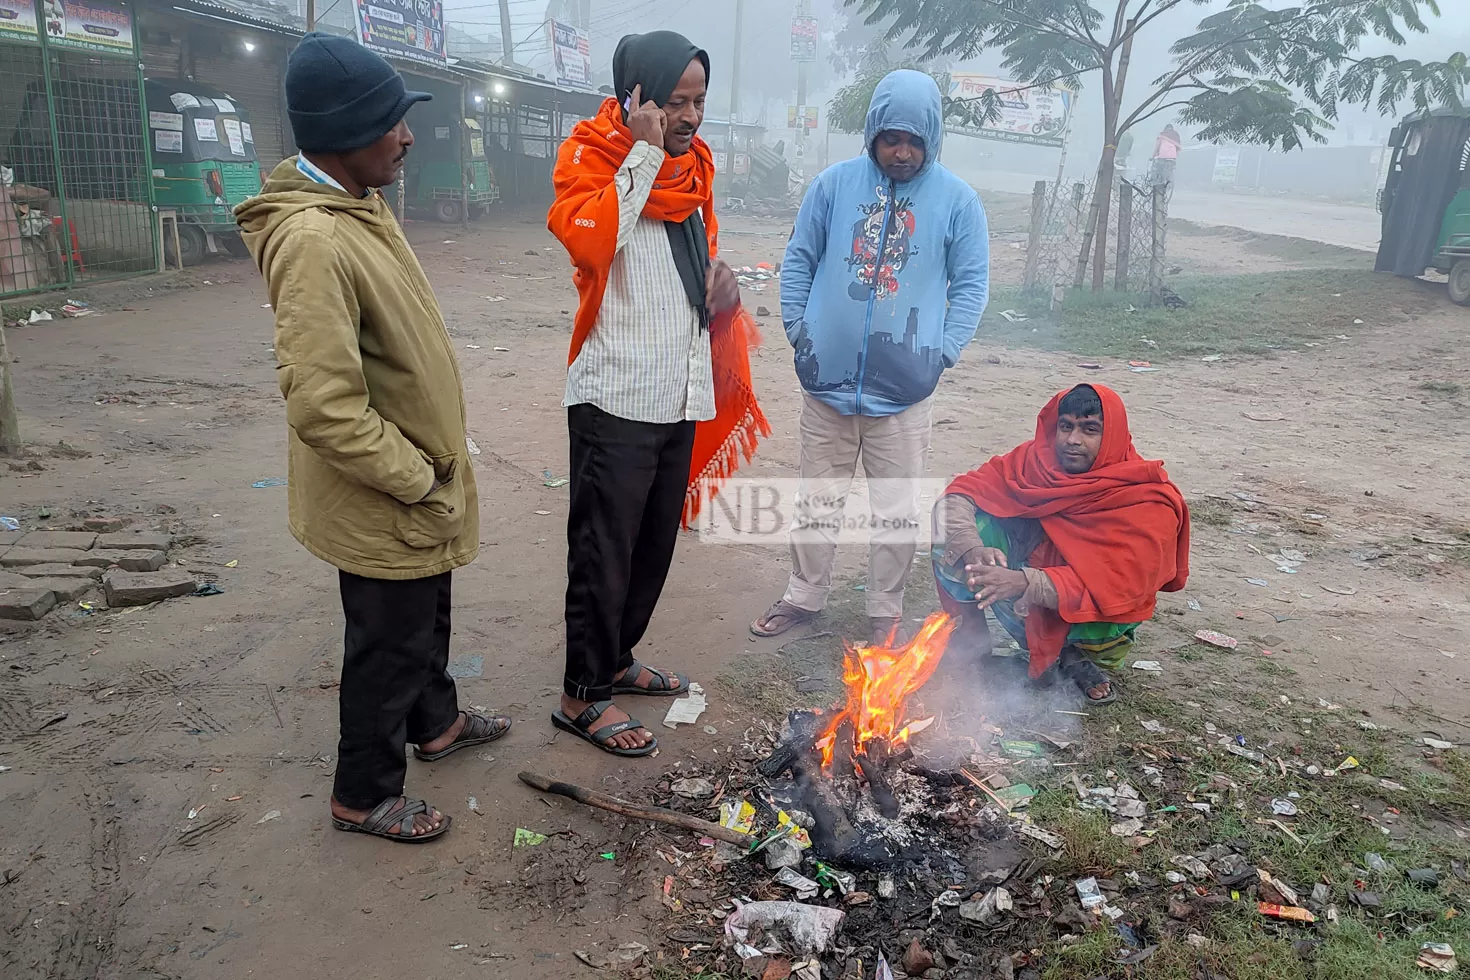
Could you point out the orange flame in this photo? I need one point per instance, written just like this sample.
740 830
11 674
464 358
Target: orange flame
879 682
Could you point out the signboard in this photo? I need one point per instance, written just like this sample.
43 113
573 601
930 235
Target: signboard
89 25
410 29
807 114
742 164
1227 165
803 39
18 21
1028 115
571 54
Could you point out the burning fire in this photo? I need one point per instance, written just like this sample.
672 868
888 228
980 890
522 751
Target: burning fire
879 682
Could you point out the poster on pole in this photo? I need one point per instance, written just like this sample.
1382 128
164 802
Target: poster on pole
803 39
1036 115
409 29
571 53
18 21
1227 166
801 117
89 25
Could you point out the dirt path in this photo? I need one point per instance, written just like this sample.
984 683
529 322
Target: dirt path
115 726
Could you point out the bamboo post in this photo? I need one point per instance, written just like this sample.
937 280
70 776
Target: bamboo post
9 419
1125 234
1156 256
1033 241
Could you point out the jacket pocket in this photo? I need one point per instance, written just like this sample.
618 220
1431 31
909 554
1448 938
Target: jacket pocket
439 517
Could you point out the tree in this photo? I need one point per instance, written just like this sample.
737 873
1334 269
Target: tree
1248 73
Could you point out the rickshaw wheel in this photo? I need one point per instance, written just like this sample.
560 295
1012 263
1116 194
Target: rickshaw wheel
447 211
1460 282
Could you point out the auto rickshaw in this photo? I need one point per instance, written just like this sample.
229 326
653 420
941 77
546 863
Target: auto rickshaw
204 163
447 174
1425 201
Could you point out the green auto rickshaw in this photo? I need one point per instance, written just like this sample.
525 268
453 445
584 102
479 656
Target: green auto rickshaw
1425 199
447 174
204 163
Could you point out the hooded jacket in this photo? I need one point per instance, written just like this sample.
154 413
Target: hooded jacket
380 477
884 282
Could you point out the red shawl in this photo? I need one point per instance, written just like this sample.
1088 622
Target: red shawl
1116 535
584 217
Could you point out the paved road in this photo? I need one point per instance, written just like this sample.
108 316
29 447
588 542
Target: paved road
1343 225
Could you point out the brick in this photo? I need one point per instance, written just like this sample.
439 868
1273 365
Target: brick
28 604
128 561
80 540
136 541
40 556
141 588
65 589
8 538
60 571
105 525
11 579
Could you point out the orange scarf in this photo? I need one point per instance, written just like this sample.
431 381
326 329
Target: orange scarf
584 218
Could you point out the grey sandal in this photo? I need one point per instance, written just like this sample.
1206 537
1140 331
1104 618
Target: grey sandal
602 737
792 616
659 687
478 729
396 812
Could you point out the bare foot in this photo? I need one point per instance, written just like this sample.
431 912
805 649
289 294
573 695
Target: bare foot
633 738
423 823
442 742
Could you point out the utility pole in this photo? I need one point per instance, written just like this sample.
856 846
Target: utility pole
803 9
311 15
507 45
735 86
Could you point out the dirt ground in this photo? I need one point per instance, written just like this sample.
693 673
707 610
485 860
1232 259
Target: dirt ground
114 726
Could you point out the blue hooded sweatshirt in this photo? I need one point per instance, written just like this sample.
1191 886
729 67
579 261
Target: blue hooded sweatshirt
873 335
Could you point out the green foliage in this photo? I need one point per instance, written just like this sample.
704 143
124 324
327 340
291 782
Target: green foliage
1248 74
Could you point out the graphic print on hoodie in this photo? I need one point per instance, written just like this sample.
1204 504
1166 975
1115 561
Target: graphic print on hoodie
883 283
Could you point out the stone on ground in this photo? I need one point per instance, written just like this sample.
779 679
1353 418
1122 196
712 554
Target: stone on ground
80 540
141 588
28 604
56 570
105 525
23 555
136 541
65 589
129 561
8 538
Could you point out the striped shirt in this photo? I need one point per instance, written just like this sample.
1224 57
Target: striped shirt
646 359
319 175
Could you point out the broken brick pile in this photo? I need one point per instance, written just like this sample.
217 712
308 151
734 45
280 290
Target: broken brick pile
40 570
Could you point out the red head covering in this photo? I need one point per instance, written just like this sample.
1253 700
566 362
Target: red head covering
1116 535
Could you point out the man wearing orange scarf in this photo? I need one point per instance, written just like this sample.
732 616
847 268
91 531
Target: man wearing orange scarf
1067 540
659 404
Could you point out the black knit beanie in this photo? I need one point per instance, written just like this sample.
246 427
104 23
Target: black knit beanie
340 96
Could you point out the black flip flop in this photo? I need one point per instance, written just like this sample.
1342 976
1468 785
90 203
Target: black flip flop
396 812
794 615
1087 675
478 729
581 727
663 690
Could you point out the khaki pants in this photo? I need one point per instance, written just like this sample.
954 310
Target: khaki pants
893 451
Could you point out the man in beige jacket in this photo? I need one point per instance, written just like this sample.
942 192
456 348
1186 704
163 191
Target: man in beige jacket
380 479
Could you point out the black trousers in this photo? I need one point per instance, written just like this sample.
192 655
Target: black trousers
627 494
396 687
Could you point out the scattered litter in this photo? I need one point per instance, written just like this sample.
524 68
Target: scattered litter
619 960
1244 752
1212 358
1014 316
9 524
693 788
39 316
553 481
502 350
473 804
944 900
995 903
528 838
810 928
1157 727
1274 891
466 667
195 811
1127 828
804 887
1426 878
1264 418
1217 639
460 946
1150 665
686 710
1019 749
1287 912
1339 589
270 815
1144 370
207 589
1376 864
1435 743
543 513
1194 605
233 563
608 855
1283 808
471 346
274 481
472 446
1088 892
1051 840
1349 763
1327 705
885 972
1439 957
1196 868
886 886
739 816
494 299
1090 366
1259 583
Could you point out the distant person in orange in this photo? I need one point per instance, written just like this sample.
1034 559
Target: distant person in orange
1166 155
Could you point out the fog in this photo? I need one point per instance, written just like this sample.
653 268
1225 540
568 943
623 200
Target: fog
768 76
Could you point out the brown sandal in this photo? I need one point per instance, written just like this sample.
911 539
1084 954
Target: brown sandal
478 729
396 811
790 617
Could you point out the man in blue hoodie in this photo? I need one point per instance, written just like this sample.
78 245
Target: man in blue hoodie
883 285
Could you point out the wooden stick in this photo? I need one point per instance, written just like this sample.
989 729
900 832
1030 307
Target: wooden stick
638 811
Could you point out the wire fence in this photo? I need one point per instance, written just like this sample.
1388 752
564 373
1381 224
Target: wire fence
1136 246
